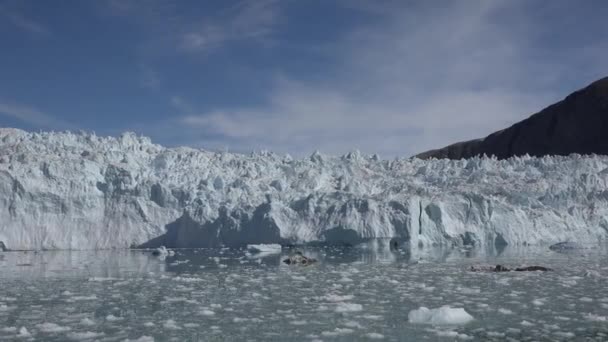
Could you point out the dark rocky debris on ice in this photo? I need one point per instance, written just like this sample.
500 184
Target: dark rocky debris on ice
501 268
566 246
299 259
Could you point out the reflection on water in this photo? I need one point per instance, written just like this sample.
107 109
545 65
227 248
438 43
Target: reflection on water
107 263
351 293
125 263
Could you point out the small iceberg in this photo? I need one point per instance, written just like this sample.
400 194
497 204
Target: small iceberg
162 252
23 333
272 248
444 315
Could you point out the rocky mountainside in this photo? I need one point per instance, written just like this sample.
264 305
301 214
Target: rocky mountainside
81 191
577 124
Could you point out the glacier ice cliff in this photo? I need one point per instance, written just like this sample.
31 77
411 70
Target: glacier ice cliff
81 191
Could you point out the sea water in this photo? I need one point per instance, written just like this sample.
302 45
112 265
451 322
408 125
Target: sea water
350 293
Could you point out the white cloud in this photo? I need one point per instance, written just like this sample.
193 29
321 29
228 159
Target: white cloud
246 20
299 119
179 27
419 79
149 78
31 115
24 23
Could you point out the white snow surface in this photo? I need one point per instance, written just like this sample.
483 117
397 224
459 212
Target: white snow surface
444 315
81 191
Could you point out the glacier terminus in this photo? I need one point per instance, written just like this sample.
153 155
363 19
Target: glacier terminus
81 191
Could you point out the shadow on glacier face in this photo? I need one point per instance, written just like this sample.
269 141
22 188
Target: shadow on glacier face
239 227
236 228
342 236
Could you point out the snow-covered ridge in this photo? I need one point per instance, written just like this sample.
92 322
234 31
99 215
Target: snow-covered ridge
80 191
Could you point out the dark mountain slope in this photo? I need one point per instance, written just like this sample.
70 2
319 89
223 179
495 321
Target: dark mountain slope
577 124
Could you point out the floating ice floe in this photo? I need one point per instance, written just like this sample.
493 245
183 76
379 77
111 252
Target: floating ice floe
112 318
271 248
374 336
51 328
343 307
24 333
592 274
595 318
141 339
87 322
87 335
162 252
444 315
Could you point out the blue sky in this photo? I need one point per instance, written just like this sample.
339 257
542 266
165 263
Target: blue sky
387 77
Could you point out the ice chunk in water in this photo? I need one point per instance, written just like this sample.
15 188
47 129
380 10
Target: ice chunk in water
444 315
265 248
348 307
23 333
51 328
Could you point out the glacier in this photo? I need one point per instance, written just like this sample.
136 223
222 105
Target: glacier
65 190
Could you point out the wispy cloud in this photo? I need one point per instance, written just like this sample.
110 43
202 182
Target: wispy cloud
120 7
32 116
24 23
149 78
406 77
147 12
245 21
302 118
181 28
416 79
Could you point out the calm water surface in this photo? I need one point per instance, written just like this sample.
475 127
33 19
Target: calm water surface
350 294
